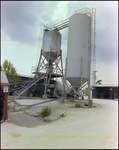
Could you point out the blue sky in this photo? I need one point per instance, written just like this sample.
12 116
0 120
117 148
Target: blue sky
21 33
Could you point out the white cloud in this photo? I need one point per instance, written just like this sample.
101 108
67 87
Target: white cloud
60 12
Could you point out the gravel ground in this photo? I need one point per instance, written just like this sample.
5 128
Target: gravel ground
82 128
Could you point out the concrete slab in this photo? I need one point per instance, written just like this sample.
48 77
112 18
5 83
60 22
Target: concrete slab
29 102
93 128
44 96
24 120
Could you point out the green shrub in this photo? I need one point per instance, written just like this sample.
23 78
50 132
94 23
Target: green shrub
45 112
63 115
89 106
77 105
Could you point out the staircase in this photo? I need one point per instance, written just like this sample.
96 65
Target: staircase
27 84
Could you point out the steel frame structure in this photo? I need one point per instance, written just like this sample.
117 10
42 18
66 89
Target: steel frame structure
49 70
92 60
92 64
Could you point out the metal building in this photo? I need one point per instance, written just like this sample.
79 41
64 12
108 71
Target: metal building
105 91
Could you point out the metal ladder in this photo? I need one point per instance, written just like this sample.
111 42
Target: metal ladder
27 84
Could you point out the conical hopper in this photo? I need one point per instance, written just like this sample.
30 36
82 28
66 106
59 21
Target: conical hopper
74 81
51 45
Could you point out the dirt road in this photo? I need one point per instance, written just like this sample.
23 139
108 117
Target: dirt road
90 128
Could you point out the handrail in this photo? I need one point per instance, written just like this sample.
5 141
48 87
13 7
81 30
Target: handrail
65 23
60 22
84 9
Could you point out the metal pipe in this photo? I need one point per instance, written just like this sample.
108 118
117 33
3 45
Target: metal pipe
89 59
65 71
81 77
62 79
6 115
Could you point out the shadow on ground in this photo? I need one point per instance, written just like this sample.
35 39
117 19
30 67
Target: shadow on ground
24 120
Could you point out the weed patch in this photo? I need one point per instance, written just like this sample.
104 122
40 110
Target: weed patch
45 112
91 106
77 105
63 115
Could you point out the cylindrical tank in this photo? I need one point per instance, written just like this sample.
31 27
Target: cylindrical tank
59 86
51 45
78 52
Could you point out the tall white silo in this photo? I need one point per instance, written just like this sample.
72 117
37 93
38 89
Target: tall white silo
78 52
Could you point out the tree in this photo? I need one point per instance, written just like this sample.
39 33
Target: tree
1 68
11 72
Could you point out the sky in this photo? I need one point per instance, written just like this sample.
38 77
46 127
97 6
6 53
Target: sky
22 31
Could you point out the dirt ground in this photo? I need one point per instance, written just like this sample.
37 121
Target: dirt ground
81 128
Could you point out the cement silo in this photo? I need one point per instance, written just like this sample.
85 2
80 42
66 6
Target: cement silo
50 57
79 46
51 45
